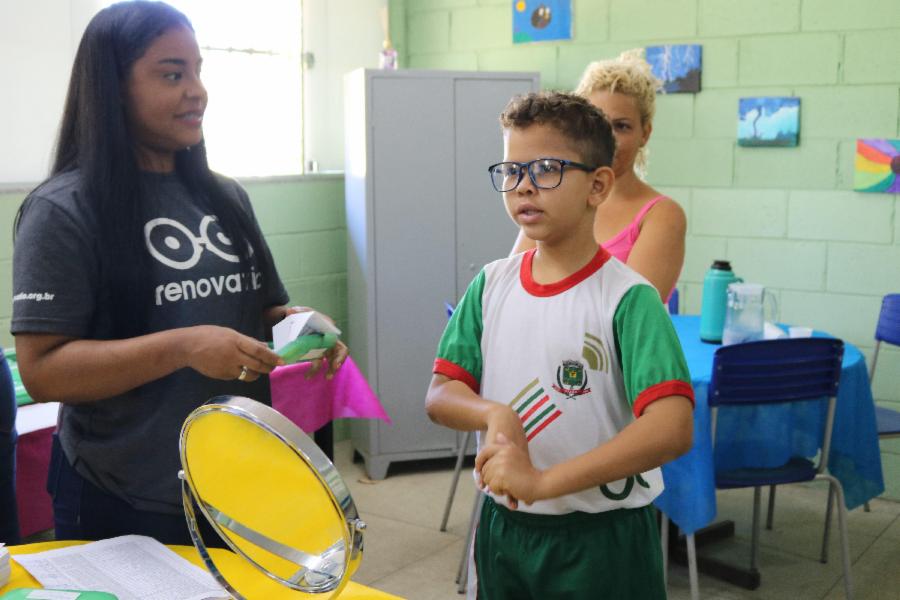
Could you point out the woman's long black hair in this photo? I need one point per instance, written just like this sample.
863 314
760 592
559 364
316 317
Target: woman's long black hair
94 139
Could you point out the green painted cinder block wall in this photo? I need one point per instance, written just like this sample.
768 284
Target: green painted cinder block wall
303 221
785 217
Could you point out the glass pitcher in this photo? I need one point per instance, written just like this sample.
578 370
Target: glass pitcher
748 307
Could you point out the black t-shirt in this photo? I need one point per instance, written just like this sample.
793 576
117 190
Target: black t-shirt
128 444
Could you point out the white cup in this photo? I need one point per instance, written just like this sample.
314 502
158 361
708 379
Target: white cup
800 332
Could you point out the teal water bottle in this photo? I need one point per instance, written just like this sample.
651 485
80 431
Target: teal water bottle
712 309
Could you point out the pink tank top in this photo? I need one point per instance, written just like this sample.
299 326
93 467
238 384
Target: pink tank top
620 245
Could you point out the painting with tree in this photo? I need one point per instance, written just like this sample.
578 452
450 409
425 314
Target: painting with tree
768 121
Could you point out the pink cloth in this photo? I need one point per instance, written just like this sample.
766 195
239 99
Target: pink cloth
312 403
32 463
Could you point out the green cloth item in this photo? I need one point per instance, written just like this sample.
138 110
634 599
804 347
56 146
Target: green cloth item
307 347
22 397
26 593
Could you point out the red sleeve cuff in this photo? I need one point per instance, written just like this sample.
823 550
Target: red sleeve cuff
454 371
662 390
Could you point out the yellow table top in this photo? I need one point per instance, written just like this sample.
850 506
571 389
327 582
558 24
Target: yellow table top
20 578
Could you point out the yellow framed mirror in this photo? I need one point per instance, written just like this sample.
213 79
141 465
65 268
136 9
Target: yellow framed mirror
274 498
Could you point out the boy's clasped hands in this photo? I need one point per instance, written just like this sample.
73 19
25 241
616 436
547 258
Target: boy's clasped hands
503 466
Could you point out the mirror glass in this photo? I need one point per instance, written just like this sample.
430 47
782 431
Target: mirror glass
273 496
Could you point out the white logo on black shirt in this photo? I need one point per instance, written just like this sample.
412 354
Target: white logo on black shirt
36 296
167 241
174 245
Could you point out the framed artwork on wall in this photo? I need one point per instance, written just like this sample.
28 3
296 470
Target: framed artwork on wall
769 121
877 165
677 66
541 20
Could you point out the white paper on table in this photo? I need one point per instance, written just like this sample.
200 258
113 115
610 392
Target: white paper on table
132 567
5 569
37 416
771 331
52 595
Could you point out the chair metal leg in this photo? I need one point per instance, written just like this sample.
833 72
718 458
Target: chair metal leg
866 507
692 567
664 542
692 557
463 571
845 545
835 486
824 558
771 511
462 575
456 471
754 539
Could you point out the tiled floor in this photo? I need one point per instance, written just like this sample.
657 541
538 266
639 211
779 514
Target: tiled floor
407 555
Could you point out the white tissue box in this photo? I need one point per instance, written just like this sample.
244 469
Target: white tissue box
297 324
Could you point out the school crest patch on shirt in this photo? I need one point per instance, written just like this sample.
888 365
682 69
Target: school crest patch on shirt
571 379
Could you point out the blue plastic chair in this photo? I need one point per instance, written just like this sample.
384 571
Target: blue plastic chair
779 372
887 330
449 308
673 302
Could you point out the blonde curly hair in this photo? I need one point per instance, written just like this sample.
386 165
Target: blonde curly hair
629 74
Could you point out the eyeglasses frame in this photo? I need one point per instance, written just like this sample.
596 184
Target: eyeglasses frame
523 167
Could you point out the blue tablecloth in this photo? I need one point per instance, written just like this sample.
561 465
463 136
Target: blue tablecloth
765 437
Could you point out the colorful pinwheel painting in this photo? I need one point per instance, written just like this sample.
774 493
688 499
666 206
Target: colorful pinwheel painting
877 166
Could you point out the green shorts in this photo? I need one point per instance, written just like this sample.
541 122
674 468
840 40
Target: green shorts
614 554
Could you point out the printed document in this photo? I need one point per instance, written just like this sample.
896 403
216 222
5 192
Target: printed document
132 567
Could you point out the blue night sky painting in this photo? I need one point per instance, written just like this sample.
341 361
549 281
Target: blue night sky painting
678 67
541 20
768 121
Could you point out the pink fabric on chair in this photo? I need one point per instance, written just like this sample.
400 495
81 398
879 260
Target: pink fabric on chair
312 403
32 463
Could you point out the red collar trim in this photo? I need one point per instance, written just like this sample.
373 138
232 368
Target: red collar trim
552 289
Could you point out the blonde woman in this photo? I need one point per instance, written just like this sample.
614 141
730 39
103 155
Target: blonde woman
638 225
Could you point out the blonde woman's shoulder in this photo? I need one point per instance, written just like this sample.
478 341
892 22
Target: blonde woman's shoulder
667 211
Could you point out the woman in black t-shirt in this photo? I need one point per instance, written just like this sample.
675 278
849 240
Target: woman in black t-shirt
142 282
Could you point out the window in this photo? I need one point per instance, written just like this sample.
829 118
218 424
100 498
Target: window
253 73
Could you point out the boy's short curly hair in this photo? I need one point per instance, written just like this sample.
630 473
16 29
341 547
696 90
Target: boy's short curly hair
583 124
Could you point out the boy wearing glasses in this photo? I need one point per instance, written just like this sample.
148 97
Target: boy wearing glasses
566 363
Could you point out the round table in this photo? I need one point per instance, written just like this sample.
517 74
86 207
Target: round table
757 436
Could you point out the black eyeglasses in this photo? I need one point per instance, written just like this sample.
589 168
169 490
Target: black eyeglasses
545 173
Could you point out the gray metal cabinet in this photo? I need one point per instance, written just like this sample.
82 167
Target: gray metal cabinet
422 219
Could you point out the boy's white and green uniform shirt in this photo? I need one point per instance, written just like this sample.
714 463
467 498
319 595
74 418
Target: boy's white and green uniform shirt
578 360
